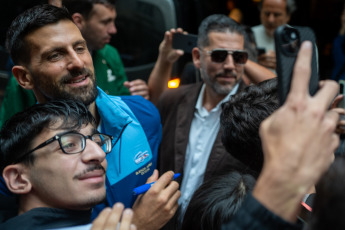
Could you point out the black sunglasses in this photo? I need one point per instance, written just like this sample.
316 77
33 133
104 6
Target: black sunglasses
73 142
219 55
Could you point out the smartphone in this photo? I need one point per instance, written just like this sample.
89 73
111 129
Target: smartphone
341 104
260 51
288 40
185 42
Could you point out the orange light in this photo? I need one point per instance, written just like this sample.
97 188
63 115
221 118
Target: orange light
174 83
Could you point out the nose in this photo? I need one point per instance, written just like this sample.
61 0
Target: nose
112 28
229 62
271 18
75 61
93 153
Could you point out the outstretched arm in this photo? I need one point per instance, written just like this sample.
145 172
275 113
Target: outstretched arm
298 141
160 75
257 73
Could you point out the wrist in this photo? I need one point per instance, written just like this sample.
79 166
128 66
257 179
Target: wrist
279 191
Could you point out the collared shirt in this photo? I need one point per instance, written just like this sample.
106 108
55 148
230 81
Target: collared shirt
203 132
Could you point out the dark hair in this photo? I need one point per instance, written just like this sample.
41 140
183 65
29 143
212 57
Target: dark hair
329 201
84 7
290 6
19 131
241 118
26 23
217 23
216 201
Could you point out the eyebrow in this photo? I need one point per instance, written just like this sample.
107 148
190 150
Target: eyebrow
62 48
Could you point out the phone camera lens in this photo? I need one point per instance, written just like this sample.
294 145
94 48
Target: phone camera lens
293 35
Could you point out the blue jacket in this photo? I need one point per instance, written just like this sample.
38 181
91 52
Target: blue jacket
134 122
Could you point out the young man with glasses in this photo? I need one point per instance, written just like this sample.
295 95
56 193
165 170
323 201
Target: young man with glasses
191 141
53 160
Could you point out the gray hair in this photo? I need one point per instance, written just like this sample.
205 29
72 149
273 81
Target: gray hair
217 23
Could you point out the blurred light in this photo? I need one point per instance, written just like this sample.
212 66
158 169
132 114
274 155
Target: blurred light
174 83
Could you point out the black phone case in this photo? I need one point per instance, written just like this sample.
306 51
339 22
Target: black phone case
185 42
286 61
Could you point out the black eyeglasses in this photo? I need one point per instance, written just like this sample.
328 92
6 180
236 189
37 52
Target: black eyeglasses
219 55
72 142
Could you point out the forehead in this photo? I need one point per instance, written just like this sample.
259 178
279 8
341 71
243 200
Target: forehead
274 5
102 11
226 40
60 34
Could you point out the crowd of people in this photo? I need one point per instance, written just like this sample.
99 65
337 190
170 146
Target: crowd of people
71 157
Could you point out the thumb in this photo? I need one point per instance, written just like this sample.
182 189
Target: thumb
153 177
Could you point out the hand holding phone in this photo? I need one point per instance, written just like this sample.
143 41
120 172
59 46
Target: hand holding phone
287 43
185 42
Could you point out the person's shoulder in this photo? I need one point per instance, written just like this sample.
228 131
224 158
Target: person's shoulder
107 49
258 29
137 101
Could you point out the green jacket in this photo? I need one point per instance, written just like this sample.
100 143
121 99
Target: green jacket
110 76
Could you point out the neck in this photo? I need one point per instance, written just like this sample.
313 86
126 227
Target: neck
93 110
211 99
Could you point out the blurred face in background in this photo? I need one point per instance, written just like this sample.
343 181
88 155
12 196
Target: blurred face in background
273 14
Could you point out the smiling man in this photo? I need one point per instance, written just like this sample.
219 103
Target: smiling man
53 159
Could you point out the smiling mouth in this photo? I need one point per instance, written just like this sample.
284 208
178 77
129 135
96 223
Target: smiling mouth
78 80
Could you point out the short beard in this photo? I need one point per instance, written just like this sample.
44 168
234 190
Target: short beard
219 89
58 90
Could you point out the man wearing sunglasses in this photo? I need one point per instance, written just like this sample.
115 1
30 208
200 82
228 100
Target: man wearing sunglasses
51 59
191 141
53 160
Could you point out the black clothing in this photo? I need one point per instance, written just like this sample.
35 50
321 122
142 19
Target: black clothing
254 216
47 218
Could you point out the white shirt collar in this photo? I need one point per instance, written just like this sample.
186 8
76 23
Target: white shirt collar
200 108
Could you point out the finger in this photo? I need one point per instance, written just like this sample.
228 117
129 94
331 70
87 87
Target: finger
137 82
138 88
126 219
331 120
153 177
325 95
100 221
172 202
126 84
163 181
336 101
114 217
301 72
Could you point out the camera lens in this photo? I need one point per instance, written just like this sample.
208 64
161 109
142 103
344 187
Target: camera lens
290 39
293 35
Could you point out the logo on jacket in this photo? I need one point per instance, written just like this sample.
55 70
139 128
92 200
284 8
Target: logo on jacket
140 157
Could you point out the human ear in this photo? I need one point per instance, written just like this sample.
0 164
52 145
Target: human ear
23 76
78 20
16 179
196 57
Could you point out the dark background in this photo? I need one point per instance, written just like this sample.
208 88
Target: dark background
322 16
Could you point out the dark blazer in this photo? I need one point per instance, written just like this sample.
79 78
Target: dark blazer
177 107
